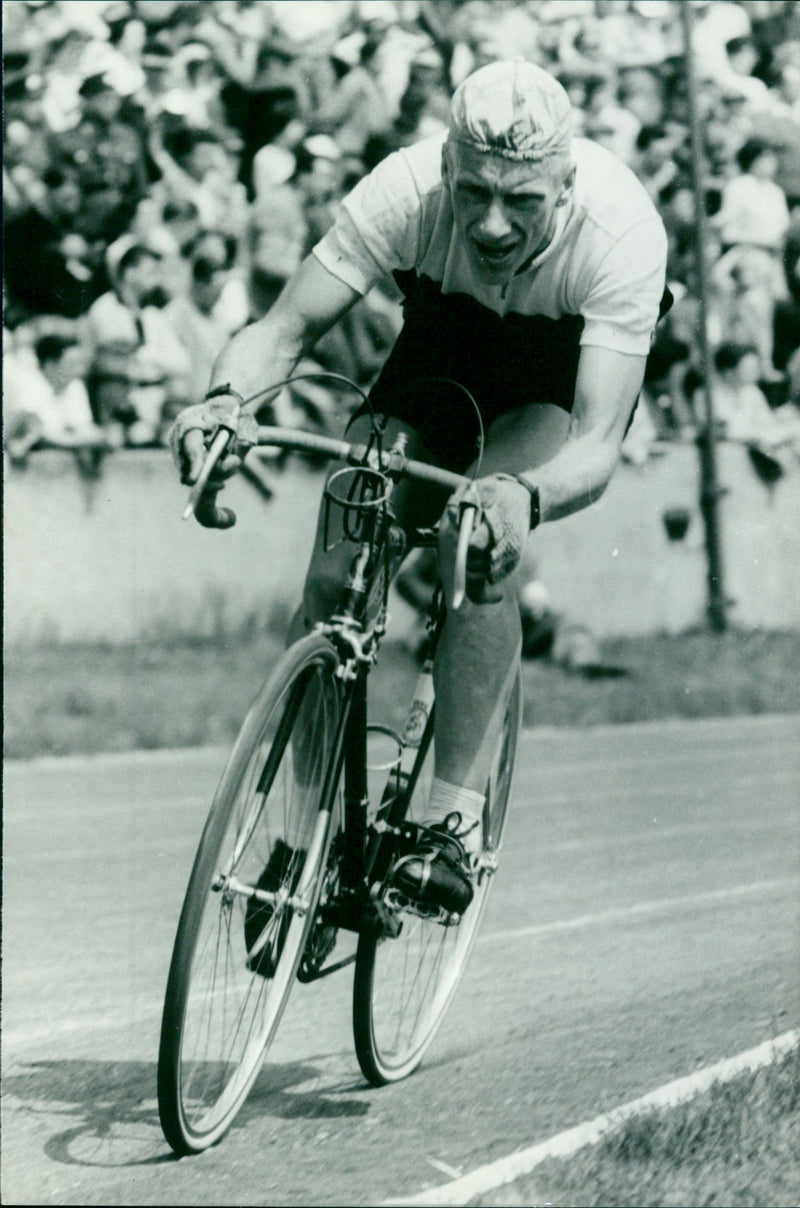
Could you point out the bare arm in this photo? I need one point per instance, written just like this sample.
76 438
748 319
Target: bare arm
267 351
608 384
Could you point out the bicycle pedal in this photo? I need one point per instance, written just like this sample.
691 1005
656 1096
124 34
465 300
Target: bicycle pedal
397 901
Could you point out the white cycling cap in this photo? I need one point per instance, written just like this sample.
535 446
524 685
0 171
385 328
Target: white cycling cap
514 109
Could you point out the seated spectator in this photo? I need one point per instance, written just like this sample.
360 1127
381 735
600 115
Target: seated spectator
213 307
48 267
47 404
746 280
607 122
740 406
754 209
654 162
720 28
140 370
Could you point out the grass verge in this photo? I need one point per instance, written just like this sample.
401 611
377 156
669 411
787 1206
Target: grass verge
736 1145
60 700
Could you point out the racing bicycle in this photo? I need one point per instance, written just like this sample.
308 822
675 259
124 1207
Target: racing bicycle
295 850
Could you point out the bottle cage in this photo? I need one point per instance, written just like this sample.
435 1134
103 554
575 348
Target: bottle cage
361 493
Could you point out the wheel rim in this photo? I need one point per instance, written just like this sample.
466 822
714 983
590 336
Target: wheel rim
230 1012
415 974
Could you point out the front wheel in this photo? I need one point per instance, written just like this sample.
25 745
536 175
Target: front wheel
251 897
404 984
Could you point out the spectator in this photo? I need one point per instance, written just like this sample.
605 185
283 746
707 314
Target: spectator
200 168
214 305
356 109
140 370
754 209
319 180
424 104
109 157
47 403
642 92
48 267
740 406
607 122
747 284
786 317
111 96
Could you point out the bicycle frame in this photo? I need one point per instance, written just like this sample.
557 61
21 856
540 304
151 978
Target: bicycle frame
381 546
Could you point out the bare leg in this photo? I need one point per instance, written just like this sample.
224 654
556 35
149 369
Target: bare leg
480 645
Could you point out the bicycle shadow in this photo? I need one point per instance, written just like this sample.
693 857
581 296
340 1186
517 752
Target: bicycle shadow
112 1115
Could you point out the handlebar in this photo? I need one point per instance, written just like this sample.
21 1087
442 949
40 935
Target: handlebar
392 463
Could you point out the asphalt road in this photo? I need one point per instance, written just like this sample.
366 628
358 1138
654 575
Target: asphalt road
646 920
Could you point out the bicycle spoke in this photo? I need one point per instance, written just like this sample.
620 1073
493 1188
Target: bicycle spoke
228 987
403 984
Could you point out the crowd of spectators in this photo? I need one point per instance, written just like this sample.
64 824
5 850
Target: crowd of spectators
167 164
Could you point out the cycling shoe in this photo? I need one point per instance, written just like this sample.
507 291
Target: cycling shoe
438 872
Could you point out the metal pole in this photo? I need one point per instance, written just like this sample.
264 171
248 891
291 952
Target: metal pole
706 440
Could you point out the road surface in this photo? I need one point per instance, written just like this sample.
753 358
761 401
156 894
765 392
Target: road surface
646 921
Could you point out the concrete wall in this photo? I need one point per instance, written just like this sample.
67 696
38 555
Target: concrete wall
112 559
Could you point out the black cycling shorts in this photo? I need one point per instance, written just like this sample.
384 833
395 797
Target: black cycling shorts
505 362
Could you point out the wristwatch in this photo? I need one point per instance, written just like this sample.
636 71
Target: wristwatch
226 389
534 494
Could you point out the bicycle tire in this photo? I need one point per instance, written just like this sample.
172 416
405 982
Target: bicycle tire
220 1013
404 985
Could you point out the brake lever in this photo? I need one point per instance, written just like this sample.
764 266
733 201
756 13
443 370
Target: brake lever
468 513
215 451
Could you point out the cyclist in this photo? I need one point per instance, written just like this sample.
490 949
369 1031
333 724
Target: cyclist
533 267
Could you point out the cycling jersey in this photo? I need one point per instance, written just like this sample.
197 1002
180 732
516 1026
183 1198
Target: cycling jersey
600 281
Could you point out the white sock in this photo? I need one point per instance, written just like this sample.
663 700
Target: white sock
447 799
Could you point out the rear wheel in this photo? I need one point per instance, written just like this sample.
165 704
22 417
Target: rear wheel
236 953
404 984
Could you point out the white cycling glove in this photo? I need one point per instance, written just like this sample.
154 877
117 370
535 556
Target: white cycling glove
505 508
208 417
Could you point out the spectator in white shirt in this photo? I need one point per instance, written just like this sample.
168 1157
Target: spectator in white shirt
131 339
214 305
754 208
47 402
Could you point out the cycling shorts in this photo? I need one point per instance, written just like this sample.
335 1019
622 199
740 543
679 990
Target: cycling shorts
505 362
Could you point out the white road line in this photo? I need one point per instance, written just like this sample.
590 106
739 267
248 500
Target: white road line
621 914
143 1011
563 1144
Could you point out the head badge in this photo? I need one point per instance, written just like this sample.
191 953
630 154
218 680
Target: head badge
516 110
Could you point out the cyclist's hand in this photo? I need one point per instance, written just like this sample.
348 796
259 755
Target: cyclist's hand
498 541
195 428
189 437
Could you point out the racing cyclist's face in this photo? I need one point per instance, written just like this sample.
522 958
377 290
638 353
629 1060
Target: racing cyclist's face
505 211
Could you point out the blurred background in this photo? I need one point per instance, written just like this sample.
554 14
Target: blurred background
167 165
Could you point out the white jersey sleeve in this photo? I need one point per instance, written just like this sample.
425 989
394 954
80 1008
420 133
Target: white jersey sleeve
377 229
621 306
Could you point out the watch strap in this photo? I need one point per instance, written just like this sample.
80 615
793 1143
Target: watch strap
533 491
